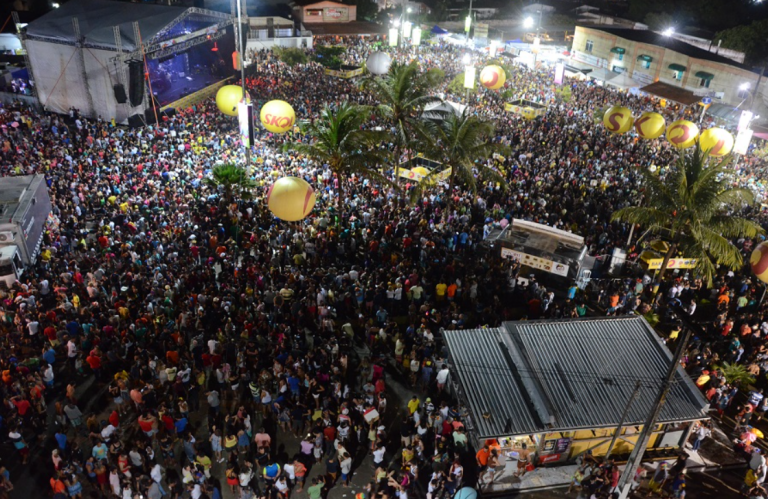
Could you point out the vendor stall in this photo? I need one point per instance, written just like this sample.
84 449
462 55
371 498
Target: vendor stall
547 392
527 109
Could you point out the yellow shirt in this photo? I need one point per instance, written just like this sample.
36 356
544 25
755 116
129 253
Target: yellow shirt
440 289
413 405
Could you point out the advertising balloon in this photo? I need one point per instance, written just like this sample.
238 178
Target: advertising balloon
759 261
291 199
227 99
650 125
717 141
493 77
617 119
378 63
277 116
682 133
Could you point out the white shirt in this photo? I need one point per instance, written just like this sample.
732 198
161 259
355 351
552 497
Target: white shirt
48 374
442 376
157 473
33 327
378 455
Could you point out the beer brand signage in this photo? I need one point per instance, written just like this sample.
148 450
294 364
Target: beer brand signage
536 262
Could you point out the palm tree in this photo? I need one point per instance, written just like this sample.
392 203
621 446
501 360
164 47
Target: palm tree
232 179
737 374
402 94
342 144
693 209
463 143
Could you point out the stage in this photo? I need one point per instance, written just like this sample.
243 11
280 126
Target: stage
177 75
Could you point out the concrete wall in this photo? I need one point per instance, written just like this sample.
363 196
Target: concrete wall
294 42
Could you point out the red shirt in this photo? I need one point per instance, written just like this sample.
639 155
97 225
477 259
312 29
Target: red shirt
22 406
114 419
145 425
168 422
50 333
93 361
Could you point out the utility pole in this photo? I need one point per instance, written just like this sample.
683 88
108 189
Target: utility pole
623 418
636 457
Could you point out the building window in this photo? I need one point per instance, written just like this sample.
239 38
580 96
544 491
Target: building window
677 75
646 64
620 57
704 82
618 69
589 46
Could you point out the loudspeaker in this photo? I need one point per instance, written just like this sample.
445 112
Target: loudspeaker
135 121
136 82
149 116
120 95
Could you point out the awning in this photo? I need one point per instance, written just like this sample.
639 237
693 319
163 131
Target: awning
618 50
645 58
676 67
574 69
437 30
671 92
704 75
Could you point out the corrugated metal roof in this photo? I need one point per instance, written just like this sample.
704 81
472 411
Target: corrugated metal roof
535 376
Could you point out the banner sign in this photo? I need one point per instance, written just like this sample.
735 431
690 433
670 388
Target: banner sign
559 72
536 262
674 263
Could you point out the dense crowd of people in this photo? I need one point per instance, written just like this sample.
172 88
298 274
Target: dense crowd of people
228 343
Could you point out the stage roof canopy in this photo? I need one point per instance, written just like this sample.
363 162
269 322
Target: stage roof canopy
561 375
97 17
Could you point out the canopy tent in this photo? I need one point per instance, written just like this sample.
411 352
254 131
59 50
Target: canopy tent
441 110
622 81
732 114
437 30
601 74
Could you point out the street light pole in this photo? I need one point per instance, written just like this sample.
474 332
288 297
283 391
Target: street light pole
239 41
469 16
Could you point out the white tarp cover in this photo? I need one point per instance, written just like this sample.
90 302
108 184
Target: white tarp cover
601 74
96 19
623 81
60 84
440 110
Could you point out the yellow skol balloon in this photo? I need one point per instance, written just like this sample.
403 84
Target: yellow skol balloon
227 99
717 141
682 133
759 261
277 116
650 125
493 77
617 119
291 199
